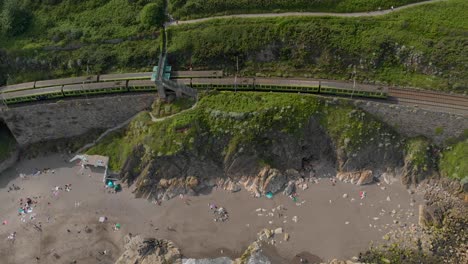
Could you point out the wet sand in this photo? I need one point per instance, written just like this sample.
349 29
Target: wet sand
339 229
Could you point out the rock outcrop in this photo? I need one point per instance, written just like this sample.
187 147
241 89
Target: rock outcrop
149 251
268 158
222 260
358 177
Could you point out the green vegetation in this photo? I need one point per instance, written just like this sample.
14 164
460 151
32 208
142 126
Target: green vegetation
418 154
243 118
453 161
69 37
7 142
395 254
153 14
184 9
163 109
421 46
439 130
14 18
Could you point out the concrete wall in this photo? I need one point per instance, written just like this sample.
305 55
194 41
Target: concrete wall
45 121
410 121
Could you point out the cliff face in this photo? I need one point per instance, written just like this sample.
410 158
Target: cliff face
230 141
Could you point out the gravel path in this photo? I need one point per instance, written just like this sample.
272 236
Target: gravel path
302 14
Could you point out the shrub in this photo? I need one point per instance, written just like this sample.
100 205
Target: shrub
14 20
153 14
453 161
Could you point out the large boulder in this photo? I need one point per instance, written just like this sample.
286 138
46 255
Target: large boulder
366 177
230 185
290 188
356 177
274 180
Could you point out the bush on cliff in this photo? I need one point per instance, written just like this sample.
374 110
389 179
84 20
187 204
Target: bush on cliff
419 160
152 14
14 18
454 161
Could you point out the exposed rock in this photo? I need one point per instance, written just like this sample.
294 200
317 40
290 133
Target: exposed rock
290 188
358 177
292 174
389 177
149 251
274 180
264 234
230 185
258 258
222 260
366 178
278 231
286 237
191 182
176 188
432 215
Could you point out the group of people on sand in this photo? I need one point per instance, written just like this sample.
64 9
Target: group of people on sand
221 215
26 205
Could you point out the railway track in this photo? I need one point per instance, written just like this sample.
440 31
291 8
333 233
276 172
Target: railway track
459 100
430 100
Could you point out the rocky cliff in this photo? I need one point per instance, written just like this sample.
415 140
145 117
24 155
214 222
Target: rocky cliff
260 142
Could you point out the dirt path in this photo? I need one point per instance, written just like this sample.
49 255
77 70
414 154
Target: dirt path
303 14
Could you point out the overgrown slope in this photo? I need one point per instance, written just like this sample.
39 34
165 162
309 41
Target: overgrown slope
424 46
69 37
237 134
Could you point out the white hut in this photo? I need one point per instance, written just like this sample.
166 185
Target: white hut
94 160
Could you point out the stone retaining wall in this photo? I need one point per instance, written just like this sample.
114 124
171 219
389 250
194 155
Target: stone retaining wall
411 121
63 119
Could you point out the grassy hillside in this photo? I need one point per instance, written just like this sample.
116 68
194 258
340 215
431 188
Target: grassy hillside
424 46
70 37
186 9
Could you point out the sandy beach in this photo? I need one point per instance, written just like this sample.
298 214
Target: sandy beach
64 226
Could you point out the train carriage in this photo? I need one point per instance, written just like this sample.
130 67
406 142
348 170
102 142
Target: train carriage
95 88
64 81
240 84
197 74
348 89
125 76
32 95
285 85
17 87
141 85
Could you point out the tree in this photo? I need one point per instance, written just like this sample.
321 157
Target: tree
14 20
153 14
